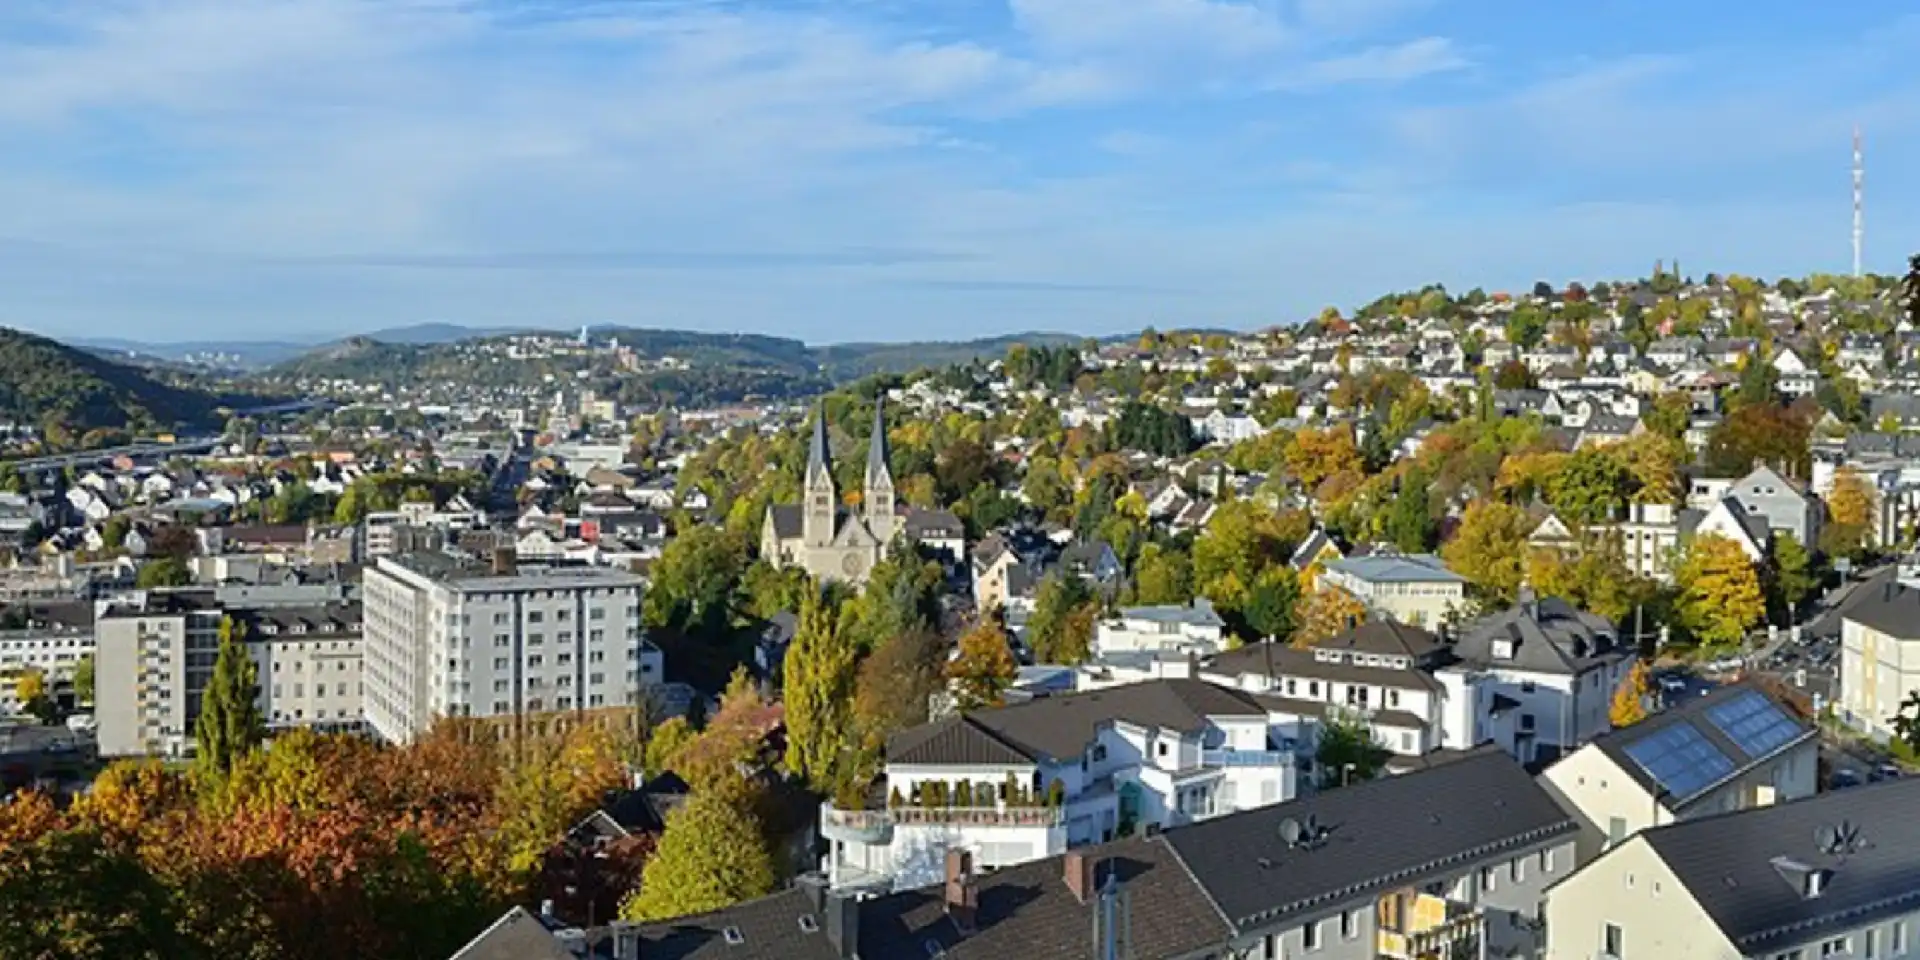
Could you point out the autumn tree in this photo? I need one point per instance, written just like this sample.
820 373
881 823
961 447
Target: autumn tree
1061 628
1756 434
665 744
984 668
1852 504
895 685
1590 487
1318 454
230 724
1162 575
1630 699
1327 612
1489 548
820 673
711 856
83 678
1720 594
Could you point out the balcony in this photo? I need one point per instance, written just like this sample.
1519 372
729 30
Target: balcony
1246 758
1418 926
875 827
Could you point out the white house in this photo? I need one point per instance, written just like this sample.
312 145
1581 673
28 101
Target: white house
1024 782
1554 666
1411 588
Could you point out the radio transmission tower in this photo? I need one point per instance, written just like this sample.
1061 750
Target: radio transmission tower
1859 219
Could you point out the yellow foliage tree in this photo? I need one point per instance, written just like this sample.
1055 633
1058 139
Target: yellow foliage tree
1489 548
1852 502
1318 454
29 686
1630 700
1327 612
1719 590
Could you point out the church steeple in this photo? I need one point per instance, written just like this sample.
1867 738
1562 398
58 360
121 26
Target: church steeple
820 505
877 500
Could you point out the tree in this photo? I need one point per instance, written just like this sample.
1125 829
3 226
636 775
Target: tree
1059 632
1328 612
695 581
820 672
1271 608
113 533
1630 700
895 685
1318 454
1760 433
83 680
1793 578
230 724
1513 375
1347 752
1590 487
711 856
1489 549
162 572
1409 520
1906 722
1852 503
666 743
1526 325
1719 590
1163 575
1670 415
984 667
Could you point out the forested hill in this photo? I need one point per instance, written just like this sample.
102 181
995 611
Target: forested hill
43 381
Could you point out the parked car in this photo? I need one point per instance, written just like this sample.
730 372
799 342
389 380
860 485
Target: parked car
1842 779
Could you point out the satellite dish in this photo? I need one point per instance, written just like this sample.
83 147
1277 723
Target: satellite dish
1290 832
1311 828
1827 839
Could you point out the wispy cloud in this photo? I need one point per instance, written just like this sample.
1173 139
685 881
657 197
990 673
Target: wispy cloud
1396 63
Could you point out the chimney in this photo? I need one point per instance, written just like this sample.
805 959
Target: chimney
815 887
962 897
1080 879
843 925
546 909
506 562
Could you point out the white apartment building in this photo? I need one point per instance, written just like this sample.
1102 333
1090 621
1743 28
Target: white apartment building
155 653
1551 667
1415 588
1879 655
1028 781
452 637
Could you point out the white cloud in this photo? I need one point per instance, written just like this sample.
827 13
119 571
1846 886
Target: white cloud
1397 63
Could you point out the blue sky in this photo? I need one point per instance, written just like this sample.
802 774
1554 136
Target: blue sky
898 169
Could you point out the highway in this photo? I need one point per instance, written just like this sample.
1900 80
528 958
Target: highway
136 451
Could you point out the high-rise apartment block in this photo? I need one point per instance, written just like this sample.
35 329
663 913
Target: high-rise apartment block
448 636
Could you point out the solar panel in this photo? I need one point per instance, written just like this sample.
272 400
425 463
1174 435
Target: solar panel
1754 723
1680 759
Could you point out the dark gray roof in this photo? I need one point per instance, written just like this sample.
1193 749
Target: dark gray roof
1395 832
1728 863
769 929
1548 636
1887 607
877 446
1059 727
1028 912
819 456
786 520
1387 637
922 524
518 935
1693 713
1286 661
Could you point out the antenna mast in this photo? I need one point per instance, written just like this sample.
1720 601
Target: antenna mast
1859 177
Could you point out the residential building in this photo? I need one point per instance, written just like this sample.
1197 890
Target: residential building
1735 748
1555 666
1826 876
1414 588
1021 782
1451 861
1785 504
1879 655
155 653
451 637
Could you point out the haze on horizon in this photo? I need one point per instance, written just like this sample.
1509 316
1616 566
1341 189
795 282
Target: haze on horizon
844 170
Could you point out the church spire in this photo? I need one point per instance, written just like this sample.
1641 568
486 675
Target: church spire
819 460
877 453
819 518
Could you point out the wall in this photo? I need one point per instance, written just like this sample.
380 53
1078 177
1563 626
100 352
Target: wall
1877 672
1588 783
1632 889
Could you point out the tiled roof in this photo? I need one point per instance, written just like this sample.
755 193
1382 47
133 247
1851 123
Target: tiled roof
768 928
1548 636
1059 727
518 935
1289 662
1728 863
1395 832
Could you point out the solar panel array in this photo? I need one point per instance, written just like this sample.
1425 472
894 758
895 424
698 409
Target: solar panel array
1754 724
1679 759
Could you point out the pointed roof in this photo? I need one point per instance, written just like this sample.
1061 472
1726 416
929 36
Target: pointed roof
819 458
877 448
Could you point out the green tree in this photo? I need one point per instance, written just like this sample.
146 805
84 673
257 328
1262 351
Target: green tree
1526 325
1793 578
230 724
162 572
113 533
711 856
1409 521
1059 631
1270 611
1163 575
695 582
1590 487
1347 752
665 744
83 679
821 667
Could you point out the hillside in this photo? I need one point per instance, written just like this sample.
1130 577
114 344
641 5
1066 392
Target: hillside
41 379
778 365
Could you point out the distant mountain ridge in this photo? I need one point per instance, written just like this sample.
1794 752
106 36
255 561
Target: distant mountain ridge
43 380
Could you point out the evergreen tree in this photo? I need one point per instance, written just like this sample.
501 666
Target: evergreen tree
820 671
230 724
711 856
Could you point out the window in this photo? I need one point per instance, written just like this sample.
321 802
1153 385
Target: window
1349 924
1611 939
1526 686
1488 883
535 616
1162 748
1838 946
1616 829
1546 861
1870 944
1517 870
1897 939
1310 935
